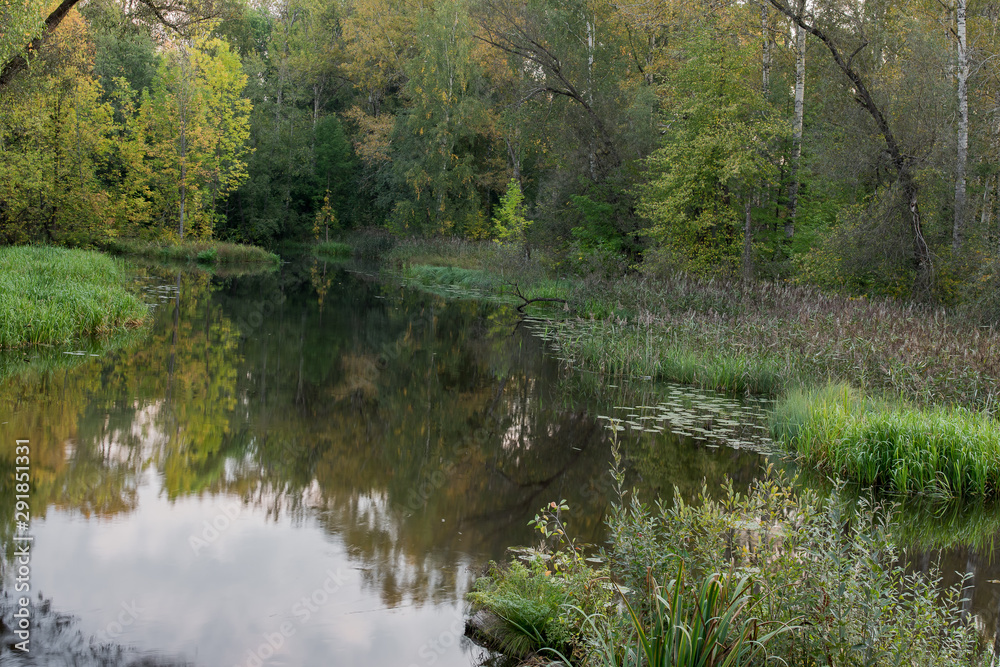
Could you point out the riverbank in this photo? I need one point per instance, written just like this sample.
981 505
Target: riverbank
909 362
767 576
201 252
56 296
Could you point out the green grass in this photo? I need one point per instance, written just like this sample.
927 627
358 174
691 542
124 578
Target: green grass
770 575
334 249
56 296
940 451
678 355
201 252
449 276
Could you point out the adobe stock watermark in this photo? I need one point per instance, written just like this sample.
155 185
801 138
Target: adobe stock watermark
259 311
212 529
128 615
302 610
434 648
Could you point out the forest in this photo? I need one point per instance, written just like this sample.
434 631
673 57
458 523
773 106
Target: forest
850 145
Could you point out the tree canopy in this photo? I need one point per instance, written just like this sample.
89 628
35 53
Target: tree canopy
850 144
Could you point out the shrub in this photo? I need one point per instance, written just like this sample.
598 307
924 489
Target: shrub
208 256
814 582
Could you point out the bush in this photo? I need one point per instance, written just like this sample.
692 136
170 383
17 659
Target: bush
814 582
332 249
208 256
208 252
373 243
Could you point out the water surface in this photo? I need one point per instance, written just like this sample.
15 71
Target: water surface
310 467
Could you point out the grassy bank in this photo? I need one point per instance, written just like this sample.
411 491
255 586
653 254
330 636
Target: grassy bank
915 368
201 252
935 451
55 296
767 577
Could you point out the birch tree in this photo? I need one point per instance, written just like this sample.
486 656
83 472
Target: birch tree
903 163
962 139
797 124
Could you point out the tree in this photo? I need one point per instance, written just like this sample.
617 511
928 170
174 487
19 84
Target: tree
56 135
441 134
326 217
175 15
903 163
195 126
717 154
509 221
559 42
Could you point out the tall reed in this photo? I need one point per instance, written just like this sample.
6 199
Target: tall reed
54 296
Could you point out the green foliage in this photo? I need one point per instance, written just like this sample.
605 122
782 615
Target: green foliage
941 452
326 218
442 135
194 125
708 629
122 47
716 156
207 256
333 249
54 296
530 602
190 251
827 578
336 168
56 136
597 230
767 576
22 22
509 222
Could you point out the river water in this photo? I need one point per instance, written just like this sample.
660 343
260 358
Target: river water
309 467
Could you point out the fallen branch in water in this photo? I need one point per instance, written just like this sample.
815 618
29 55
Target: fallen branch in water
518 294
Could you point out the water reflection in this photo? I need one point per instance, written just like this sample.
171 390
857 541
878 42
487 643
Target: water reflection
356 426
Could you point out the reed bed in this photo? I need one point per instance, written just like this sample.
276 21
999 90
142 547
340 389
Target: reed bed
799 336
55 296
202 252
903 397
939 452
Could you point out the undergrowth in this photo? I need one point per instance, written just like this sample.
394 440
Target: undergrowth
774 576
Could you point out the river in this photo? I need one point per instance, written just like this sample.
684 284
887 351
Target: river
311 466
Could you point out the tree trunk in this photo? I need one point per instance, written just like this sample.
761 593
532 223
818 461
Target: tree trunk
748 239
797 122
766 57
963 125
901 163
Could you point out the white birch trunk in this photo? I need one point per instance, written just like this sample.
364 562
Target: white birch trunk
797 122
963 125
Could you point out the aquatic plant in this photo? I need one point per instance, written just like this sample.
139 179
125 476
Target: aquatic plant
332 249
938 451
54 296
772 575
